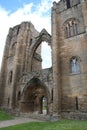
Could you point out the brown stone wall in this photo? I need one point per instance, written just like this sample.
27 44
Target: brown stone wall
16 59
22 59
73 86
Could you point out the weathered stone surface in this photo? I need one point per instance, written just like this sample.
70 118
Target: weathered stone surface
23 82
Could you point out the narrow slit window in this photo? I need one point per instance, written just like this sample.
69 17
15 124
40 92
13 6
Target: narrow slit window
31 41
10 77
68 4
76 29
77 103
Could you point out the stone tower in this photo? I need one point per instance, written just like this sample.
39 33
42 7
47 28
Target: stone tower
16 59
24 85
69 49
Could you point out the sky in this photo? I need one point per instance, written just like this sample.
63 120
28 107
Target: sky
13 12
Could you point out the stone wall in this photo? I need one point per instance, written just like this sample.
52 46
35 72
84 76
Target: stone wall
73 85
65 85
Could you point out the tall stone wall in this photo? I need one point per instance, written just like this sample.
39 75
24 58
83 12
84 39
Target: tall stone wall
16 59
73 85
66 82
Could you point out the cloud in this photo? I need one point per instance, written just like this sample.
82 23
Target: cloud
46 55
39 15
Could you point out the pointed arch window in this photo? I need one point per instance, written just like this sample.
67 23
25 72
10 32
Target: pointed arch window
71 28
75 65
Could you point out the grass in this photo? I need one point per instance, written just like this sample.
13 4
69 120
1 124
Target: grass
4 116
60 125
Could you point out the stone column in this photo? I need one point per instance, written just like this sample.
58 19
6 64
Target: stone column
27 36
17 66
25 58
56 63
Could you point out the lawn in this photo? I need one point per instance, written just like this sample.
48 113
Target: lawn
60 125
4 116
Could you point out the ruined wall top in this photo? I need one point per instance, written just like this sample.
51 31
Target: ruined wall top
14 31
65 4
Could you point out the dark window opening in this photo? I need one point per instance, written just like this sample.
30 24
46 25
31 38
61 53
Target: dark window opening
31 41
77 103
19 95
52 94
68 4
18 30
10 77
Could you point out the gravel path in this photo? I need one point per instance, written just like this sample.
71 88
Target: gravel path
17 120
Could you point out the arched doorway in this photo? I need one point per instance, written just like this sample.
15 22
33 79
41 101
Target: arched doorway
34 96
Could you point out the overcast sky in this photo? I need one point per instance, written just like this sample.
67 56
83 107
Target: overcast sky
13 12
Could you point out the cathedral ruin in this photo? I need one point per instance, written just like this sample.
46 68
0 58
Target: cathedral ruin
60 90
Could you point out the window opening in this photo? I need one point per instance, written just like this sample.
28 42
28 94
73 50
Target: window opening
75 29
46 55
75 65
52 94
19 95
68 4
71 28
68 32
77 103
10 77
42 58
31 41
18 30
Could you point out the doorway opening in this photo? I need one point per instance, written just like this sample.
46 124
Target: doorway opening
35 98
44 105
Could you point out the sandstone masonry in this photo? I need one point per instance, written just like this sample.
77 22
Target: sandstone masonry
24 85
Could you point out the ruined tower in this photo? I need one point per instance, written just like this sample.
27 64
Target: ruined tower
16 60
24 85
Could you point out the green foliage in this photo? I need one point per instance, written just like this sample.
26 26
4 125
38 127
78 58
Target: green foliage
4 116
60 125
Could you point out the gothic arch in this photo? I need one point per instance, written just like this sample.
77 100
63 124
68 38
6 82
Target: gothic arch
71 27
43 36
32 95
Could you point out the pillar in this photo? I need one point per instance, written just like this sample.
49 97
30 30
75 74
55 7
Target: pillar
56 63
